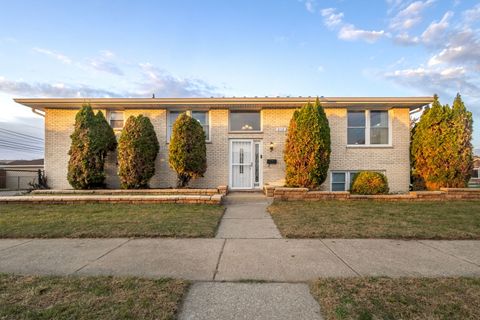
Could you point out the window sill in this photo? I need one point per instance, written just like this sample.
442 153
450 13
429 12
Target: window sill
245 132
369 146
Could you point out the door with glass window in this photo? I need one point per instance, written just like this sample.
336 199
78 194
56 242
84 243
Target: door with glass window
245 164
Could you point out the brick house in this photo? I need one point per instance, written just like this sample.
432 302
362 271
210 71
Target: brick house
246 137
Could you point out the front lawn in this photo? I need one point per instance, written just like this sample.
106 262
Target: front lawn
377 219
401 298
34 297
105 220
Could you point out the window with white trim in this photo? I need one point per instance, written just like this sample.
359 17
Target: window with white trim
201 116
247 120
115 118
368 127
342 180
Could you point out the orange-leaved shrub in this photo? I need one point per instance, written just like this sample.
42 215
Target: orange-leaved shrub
369 182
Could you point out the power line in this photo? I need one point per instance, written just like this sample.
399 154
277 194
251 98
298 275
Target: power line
19 144
19 148
20 134
19 139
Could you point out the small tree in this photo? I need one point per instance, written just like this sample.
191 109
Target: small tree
307 150
441 145
91 140
187 150
137 150
462 128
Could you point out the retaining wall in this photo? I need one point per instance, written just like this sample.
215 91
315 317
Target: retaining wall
291 194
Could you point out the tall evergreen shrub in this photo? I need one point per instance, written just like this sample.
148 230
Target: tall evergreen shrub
137 150
307 150
441 145
187 150
92 139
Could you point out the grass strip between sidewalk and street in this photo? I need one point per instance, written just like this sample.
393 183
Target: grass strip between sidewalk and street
49 297
399 298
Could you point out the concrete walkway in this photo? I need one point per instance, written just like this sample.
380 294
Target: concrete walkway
246 217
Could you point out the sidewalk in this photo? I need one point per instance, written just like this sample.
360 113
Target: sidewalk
278 260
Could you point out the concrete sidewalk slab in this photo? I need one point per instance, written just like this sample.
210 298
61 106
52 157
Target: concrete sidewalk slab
9 243
248 229
269 301
248 211
192 259
279 260
55 256
395 258
465 249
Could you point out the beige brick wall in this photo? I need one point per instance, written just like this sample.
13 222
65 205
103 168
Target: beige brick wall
393 160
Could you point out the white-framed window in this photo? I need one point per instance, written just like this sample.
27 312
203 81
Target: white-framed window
368 127
341 180
116 120
475 173
201 116
245 121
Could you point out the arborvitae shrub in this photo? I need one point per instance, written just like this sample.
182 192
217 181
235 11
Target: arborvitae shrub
307 150
187 150
137 150
441 148
92 139
369 182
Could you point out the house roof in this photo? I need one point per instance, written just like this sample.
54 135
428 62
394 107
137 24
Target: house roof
223 102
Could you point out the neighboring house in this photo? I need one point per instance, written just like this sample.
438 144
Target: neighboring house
18 174
246 137
475 179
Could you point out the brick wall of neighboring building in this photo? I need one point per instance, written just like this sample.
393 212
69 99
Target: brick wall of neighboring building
394 160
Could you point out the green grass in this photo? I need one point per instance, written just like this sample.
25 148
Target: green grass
108 220
377 219
401 298
34 297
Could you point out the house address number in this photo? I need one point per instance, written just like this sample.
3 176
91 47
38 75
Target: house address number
281 129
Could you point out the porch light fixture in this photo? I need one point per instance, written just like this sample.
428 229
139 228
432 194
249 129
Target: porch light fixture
271 146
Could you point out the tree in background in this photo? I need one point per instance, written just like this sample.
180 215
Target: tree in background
187 150
137 150
441 147
92 139
307 150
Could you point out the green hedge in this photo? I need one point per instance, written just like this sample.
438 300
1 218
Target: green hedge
369 182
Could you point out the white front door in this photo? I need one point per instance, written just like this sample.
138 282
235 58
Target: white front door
245 168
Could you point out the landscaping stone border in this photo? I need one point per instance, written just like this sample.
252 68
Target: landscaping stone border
219 190
75 199
291 194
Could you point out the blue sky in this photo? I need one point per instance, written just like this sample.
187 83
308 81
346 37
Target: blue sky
235 48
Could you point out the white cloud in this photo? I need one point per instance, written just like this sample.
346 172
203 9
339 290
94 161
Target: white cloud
410 15
346 31
105 63
60 57
163 84
331 18
436 30
350 33
310 5
405 39
472 15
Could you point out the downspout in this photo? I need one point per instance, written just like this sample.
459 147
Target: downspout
42 114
